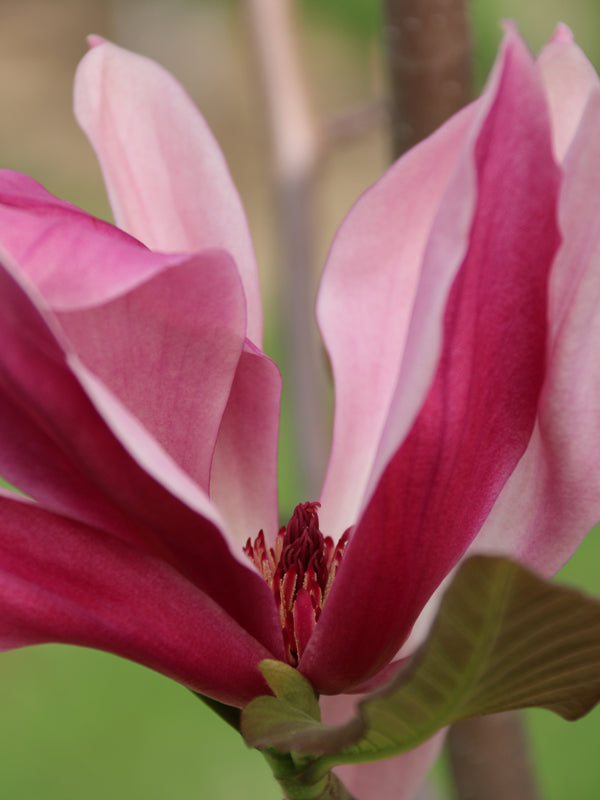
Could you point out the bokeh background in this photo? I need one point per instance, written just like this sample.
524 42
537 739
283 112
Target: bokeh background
76 723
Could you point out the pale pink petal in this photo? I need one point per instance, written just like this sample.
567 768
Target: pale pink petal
61 581
562 33
164 333
58 449
397 778
243 479
439 487
167 179
366 302
569 79
553 497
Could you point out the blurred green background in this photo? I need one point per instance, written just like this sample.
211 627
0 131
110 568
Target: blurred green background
79 724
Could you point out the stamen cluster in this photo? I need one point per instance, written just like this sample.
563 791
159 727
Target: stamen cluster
299 569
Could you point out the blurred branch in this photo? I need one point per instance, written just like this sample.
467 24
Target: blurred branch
428 47
296 143
350 123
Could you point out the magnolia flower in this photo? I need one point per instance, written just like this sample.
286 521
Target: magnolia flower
459 306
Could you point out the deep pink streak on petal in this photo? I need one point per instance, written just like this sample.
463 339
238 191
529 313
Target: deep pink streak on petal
243 480
569 80
167 179
397 778
58 449
440 485
553 497
365 305
164 332
62 581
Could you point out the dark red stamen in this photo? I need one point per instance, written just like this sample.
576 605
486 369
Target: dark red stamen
299 569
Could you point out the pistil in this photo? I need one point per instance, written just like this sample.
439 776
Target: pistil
299 569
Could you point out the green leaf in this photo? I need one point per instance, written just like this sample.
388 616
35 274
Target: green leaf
294 708
288 685
503 639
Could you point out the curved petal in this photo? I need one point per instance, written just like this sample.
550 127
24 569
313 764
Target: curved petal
569 79
243 479
441 483
75 260
61 581
165 333
58 449
169 351
553 497
166 177
366 302
397 778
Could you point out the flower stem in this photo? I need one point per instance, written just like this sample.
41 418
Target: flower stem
291 777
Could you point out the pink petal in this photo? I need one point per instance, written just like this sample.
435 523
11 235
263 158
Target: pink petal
397 778
58 449
61 581
441 483
553 497
166 177
569 79
243 479
165 333
169 351
366 302
562 33
75 260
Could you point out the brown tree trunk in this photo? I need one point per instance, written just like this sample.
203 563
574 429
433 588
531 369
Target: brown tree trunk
429 55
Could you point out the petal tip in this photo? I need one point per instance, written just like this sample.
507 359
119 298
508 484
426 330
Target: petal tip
562 34
93 40
509 28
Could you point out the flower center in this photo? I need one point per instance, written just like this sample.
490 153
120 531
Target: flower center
299 570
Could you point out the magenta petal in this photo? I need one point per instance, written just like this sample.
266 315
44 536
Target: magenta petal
167 180
440 485
553 497
243 479
81 470
62 581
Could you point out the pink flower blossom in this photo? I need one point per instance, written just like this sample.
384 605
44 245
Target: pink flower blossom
460 308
